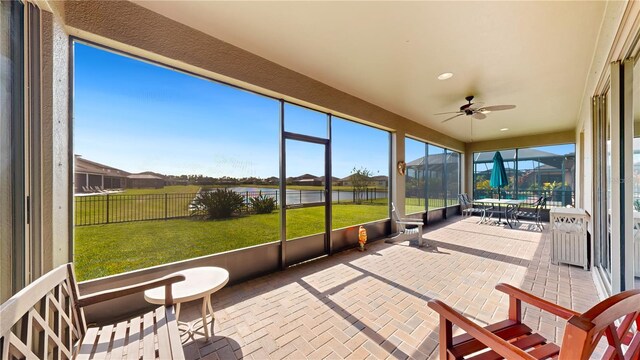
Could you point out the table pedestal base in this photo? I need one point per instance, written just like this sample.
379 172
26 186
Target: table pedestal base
190 328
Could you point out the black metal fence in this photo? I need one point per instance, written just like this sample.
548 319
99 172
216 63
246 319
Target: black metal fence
113 208
434 200
555 197
116 208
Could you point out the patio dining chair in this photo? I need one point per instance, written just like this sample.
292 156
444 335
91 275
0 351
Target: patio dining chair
536 215
469 209
407 226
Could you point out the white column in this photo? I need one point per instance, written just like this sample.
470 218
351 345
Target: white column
398 181
627 178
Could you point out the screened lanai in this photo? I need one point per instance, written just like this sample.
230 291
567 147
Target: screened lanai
270 139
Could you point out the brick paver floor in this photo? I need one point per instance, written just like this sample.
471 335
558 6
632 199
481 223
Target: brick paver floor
374 304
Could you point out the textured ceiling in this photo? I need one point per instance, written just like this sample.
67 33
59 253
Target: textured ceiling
535 55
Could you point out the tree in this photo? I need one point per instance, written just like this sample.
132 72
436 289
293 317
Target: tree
360 180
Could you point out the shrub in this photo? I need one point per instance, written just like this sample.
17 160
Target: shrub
263 204
218 204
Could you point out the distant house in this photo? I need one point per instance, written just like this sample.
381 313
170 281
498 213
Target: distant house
140 181
535 167
334 180
168 180
305 180
374 181
92 174
380 181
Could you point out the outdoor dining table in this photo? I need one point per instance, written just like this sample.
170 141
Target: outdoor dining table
499 203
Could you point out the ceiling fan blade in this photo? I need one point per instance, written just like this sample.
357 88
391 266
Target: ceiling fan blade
476 105
453 117
450 112
497 108
479 116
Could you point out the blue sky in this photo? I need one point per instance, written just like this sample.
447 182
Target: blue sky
137 117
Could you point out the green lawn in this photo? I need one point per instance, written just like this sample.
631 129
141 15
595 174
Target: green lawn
102 250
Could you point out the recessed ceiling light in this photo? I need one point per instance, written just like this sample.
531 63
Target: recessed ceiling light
504 129
445 76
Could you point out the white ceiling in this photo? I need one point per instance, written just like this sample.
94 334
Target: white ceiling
533 54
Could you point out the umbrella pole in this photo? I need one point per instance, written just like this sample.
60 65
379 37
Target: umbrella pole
499 208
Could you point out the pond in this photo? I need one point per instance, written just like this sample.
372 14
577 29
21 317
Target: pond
298 197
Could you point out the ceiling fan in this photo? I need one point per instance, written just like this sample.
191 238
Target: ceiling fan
475 110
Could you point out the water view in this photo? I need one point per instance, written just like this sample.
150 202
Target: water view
300 196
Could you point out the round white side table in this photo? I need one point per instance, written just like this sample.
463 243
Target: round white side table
199 283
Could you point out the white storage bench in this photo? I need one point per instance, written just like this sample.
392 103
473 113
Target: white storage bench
569 236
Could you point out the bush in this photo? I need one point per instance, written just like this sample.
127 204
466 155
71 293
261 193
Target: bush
263 204
218 204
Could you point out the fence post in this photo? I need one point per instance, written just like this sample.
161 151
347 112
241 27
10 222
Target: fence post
300 196
107 208
166 198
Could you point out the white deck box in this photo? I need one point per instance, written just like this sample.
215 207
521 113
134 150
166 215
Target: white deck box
569 236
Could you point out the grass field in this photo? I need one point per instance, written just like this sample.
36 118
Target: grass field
102 250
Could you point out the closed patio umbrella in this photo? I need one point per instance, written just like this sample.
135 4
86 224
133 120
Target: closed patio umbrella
498 178
498 173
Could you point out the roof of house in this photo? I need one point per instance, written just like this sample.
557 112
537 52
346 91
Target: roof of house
305 176
333 178
144 176
83 165
526 153
161 176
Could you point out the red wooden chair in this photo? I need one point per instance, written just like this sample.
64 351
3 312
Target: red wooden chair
511 339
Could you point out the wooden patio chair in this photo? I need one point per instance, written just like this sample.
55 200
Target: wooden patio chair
512 339
408 226
46 320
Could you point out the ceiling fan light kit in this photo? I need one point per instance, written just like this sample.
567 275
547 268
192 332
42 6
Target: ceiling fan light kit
475 110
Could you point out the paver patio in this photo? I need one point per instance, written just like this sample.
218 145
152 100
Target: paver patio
374 304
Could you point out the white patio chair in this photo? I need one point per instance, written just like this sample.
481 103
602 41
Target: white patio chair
408 226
